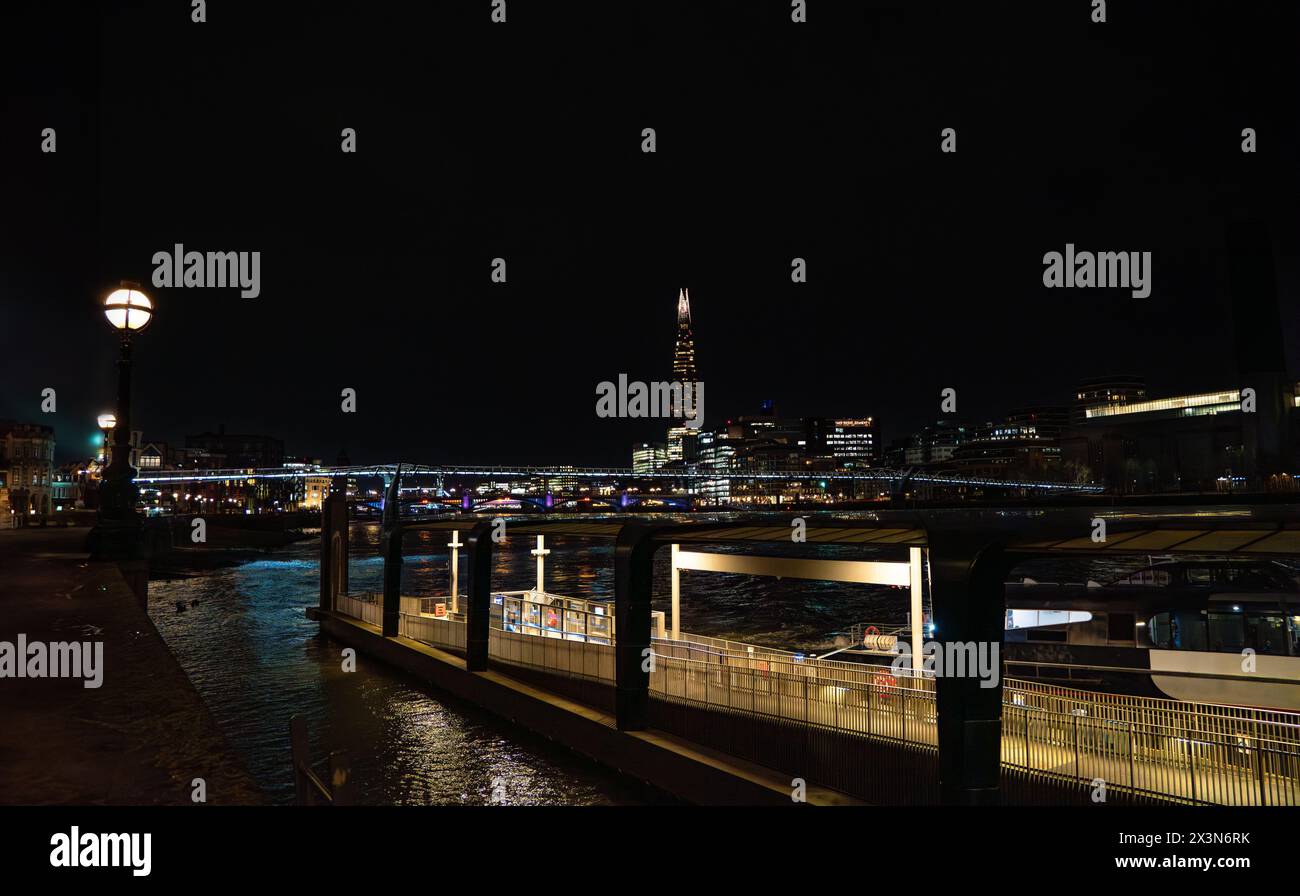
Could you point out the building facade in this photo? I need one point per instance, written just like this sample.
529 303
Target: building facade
1104 390
1197 442
648 457
844 441
27 489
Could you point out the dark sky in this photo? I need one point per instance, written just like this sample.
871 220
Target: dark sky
522 141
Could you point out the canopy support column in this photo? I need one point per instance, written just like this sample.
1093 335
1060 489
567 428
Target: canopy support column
478 596
968 569
677 595
634 553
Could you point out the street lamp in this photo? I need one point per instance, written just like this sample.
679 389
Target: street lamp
128 309
117 532
106 423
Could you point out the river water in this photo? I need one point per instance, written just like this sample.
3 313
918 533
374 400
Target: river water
247 645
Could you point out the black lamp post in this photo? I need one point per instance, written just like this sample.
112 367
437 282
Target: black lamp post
118 528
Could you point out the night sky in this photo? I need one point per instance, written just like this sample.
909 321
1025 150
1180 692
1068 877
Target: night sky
522 140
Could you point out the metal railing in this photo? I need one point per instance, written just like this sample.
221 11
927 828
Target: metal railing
529 471
364 607
432 630
1196 752
1186 752
574 659
880 705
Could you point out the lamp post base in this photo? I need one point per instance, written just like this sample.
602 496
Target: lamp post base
122 542
116 540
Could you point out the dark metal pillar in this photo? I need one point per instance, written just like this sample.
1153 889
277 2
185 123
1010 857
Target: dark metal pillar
333 546
326 530
118 534
343 528
633 585
478 596
391 546
968 569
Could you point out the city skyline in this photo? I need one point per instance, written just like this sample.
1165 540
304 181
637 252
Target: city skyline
71 449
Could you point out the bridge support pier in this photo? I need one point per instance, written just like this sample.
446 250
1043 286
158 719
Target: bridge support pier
968 569
334 536
478 596
633 585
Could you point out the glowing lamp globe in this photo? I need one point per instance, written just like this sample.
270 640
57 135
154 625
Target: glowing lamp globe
128 310
106 421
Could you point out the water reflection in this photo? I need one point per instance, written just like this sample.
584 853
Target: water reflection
256 659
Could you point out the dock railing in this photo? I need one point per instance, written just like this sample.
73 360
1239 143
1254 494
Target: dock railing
438 632
365 607
1185 752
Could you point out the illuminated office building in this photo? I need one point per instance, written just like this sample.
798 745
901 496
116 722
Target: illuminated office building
845 441
1222 440
648 457
1106 390
715 454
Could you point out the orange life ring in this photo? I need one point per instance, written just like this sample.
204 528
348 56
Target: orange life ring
884 680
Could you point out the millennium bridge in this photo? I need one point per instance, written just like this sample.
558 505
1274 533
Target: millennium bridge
509 472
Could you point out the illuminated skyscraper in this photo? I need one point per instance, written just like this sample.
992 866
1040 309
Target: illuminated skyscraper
684 355
684 372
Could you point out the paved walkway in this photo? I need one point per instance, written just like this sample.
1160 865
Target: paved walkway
139 739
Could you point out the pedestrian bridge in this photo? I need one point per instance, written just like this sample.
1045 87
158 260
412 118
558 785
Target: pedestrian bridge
514 472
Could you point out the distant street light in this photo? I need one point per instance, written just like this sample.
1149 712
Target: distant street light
106 423
117 532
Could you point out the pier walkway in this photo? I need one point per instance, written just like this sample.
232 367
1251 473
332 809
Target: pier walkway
863 731
1162 750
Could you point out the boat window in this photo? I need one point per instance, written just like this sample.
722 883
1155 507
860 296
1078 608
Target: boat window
1158 629
1227 632
1181 630
1120 626
1266 634
1200 575
1254 577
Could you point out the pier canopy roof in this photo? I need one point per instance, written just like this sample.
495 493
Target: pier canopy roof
1277 540
1240 530
821 532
